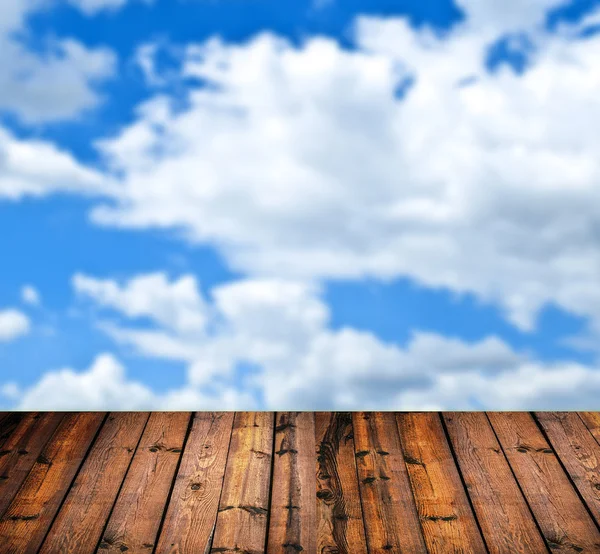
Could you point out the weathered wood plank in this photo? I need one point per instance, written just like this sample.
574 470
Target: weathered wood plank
136 517
244 506
26 521
192 511
81 520
592 422
501 509
340 526
391 518
20 451
292 526
446 517
578 451
8 424
561 516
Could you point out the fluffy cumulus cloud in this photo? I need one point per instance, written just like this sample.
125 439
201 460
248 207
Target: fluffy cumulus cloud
38 168
50 85
402 157
269 344
13 324
303 162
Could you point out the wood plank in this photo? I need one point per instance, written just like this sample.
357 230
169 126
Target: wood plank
340 526
84 514
446 517
192 511
501 509
391 518
8 425
592 422
26 521
578 451
136 517
244 506
292 525
20 451
562 517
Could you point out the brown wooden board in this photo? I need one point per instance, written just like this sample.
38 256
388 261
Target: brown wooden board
292 526
192 510
244 506
501 509
28 517
136 517
446 517
8 424
20 451
578 451
592 422
340 526
561 516
390 514
81 520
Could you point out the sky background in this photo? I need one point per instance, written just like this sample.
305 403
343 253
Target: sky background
316 204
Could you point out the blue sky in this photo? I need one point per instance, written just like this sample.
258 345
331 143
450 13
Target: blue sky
249 203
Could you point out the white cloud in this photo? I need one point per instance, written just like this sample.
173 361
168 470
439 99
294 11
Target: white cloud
177 306
38 168
102 386
57 83
92 7
30 295
105 386
491 188
10 390
487 15
13 324
281 329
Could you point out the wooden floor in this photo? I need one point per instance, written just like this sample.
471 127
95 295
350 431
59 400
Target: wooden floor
331 483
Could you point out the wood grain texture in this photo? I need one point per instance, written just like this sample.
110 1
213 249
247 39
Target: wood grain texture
592 422
8 424
244 506
391 518
192 511
446 517
501 509
20 451
578 451
340 526
292 526
136 517
26 521
563 519
80 521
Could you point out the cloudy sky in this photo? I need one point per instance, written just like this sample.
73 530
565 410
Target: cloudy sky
300 204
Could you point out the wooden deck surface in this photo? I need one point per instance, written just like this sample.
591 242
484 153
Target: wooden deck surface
332 483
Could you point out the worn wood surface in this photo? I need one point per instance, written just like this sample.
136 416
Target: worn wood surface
300 482
20 451
447 520
192 512
244 506
28 517
138 512
292 525
390 514
562 517
578 451
79 524
505 519
340 525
